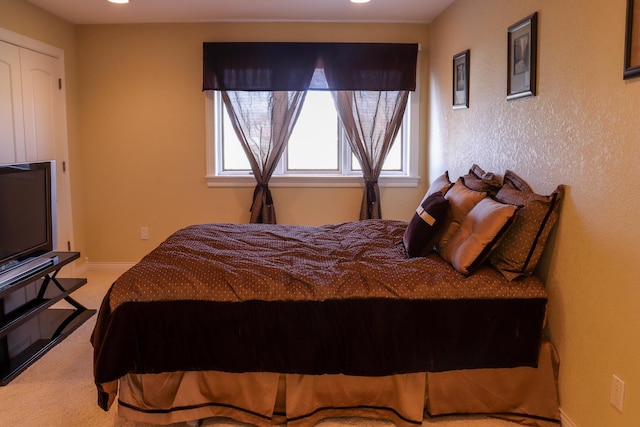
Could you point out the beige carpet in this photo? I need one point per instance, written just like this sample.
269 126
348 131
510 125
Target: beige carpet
58 391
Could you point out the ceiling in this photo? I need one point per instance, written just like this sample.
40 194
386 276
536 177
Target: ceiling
164 11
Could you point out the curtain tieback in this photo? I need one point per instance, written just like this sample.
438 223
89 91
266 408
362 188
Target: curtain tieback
371 193
265 188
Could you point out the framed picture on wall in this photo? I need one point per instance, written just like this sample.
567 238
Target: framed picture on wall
522 57
632 41
461 80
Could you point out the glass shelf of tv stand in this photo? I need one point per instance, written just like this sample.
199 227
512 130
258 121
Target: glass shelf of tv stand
55 324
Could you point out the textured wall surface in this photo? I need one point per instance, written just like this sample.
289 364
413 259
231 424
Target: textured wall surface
582 130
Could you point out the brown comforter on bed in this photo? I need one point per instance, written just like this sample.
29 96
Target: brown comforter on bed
340 298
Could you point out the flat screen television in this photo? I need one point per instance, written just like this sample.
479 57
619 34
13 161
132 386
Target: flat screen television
27 213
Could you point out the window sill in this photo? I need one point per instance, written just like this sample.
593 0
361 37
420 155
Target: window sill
310 181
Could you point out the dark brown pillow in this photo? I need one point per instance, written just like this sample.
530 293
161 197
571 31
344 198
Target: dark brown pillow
479 180
520 250
425 226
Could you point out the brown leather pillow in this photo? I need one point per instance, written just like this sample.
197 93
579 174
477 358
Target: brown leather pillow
441 184
425 226
521 249
462 201
478 234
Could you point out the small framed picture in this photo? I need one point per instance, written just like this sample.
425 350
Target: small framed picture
632 41
461 80
522 57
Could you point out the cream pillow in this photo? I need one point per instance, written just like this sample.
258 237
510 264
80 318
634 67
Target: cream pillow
478 234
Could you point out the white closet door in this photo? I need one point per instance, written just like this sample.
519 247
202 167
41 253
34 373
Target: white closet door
40 98
12 148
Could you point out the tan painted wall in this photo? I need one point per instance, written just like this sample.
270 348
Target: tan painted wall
582 130
143 134
20 16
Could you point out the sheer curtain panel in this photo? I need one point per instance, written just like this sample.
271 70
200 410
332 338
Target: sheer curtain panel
263 122
263 87
371 120
371 87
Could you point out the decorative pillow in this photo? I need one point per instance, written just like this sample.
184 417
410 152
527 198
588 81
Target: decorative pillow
462 200
424 228
479 180
519 252
441 184
478 234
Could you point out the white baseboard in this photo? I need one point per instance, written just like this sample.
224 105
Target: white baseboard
110 266
565 421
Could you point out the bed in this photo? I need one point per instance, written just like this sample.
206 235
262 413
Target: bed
271 324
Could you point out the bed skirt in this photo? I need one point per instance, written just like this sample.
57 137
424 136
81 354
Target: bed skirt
523 394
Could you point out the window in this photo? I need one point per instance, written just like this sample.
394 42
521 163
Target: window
317 153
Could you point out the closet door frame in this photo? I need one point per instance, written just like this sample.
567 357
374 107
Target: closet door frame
64 211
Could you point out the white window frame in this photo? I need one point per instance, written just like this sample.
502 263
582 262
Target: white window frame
215 178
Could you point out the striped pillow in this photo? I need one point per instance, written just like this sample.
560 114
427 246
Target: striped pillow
425 226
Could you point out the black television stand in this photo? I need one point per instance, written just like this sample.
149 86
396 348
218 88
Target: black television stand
26 269
29 325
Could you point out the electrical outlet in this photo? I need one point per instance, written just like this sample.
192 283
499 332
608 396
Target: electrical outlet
144 233
617 393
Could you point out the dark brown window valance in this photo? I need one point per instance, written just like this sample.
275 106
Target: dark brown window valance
291 66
